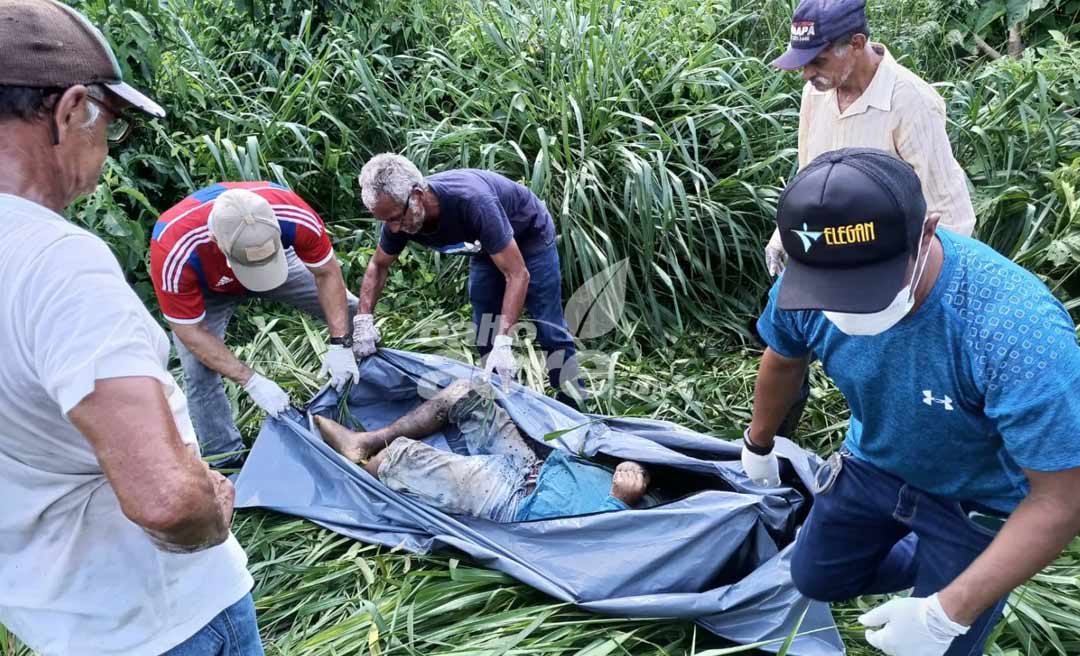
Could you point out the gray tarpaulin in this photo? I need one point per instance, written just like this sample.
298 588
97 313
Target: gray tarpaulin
711 548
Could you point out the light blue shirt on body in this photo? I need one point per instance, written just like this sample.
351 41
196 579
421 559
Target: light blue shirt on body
569 486
979 383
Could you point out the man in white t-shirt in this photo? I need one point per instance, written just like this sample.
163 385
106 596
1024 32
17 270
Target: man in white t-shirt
114 535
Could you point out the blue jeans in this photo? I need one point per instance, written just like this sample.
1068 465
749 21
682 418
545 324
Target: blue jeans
210 411
870 533
543 303
232 633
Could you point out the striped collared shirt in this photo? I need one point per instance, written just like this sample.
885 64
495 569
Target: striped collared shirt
902 115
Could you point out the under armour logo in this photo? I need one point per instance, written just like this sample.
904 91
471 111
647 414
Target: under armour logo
807 236
224 281
928 399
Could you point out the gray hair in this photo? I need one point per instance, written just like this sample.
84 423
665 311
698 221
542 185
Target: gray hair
390 175
841 44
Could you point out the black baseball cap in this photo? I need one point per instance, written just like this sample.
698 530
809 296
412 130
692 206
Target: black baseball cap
850 222
46 44
816 24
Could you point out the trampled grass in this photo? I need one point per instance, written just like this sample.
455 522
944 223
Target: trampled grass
319 593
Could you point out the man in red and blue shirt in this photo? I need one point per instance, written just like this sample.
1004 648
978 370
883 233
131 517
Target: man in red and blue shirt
216 248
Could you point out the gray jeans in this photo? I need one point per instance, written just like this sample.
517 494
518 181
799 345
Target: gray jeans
489 483
209 406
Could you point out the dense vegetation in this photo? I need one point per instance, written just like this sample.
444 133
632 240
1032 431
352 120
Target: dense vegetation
655 131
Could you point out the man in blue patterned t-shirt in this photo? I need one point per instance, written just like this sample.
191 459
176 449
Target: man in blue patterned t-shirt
960 474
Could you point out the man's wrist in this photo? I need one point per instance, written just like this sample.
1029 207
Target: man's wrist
344 341
759 446
954 602
245 377
503 340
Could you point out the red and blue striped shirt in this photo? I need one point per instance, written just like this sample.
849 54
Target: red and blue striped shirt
185 263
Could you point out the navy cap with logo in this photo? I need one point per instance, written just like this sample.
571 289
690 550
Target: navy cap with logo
815 25
850 223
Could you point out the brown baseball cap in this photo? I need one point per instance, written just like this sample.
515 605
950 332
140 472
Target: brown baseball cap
46 44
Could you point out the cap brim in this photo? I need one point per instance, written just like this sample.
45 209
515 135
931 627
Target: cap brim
856 290
137 99
796 58
264 277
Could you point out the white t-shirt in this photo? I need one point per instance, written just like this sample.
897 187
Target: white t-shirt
76 576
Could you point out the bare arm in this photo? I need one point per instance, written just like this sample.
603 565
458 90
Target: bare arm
330 286
212 352
1037 531
374 280
161 485
512 266
779 381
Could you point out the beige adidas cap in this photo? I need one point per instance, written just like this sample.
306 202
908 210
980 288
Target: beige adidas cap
247 232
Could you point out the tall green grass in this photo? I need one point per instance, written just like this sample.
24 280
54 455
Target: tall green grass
655 131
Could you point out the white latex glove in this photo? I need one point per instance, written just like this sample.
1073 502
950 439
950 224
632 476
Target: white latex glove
267 395
365 335
501 360
912 626
340 363
762 470
775 257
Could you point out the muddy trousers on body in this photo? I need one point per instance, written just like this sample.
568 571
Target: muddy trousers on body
209 406
870 533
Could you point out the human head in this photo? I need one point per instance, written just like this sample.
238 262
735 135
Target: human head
853 223
392 189
245 228
61 90
828 40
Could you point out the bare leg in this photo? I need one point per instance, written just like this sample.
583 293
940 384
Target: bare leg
630 482
421 422
372 465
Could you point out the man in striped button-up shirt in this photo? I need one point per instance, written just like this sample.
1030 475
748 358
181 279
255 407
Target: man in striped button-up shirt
857 95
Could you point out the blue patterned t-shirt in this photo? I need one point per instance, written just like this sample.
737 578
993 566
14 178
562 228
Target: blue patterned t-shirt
979 383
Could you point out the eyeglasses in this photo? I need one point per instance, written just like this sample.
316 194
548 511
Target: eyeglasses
396 220
119 127
120 124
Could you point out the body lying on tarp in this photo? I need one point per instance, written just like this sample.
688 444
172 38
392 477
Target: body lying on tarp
714 549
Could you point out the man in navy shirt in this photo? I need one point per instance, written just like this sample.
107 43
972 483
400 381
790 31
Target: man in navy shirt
960 474
515 264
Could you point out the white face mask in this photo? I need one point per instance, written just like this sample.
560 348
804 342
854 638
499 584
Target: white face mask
878 322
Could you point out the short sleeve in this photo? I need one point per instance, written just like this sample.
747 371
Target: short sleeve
185 303
780 329
1031 381
304 227
488 219
392 244
92 326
